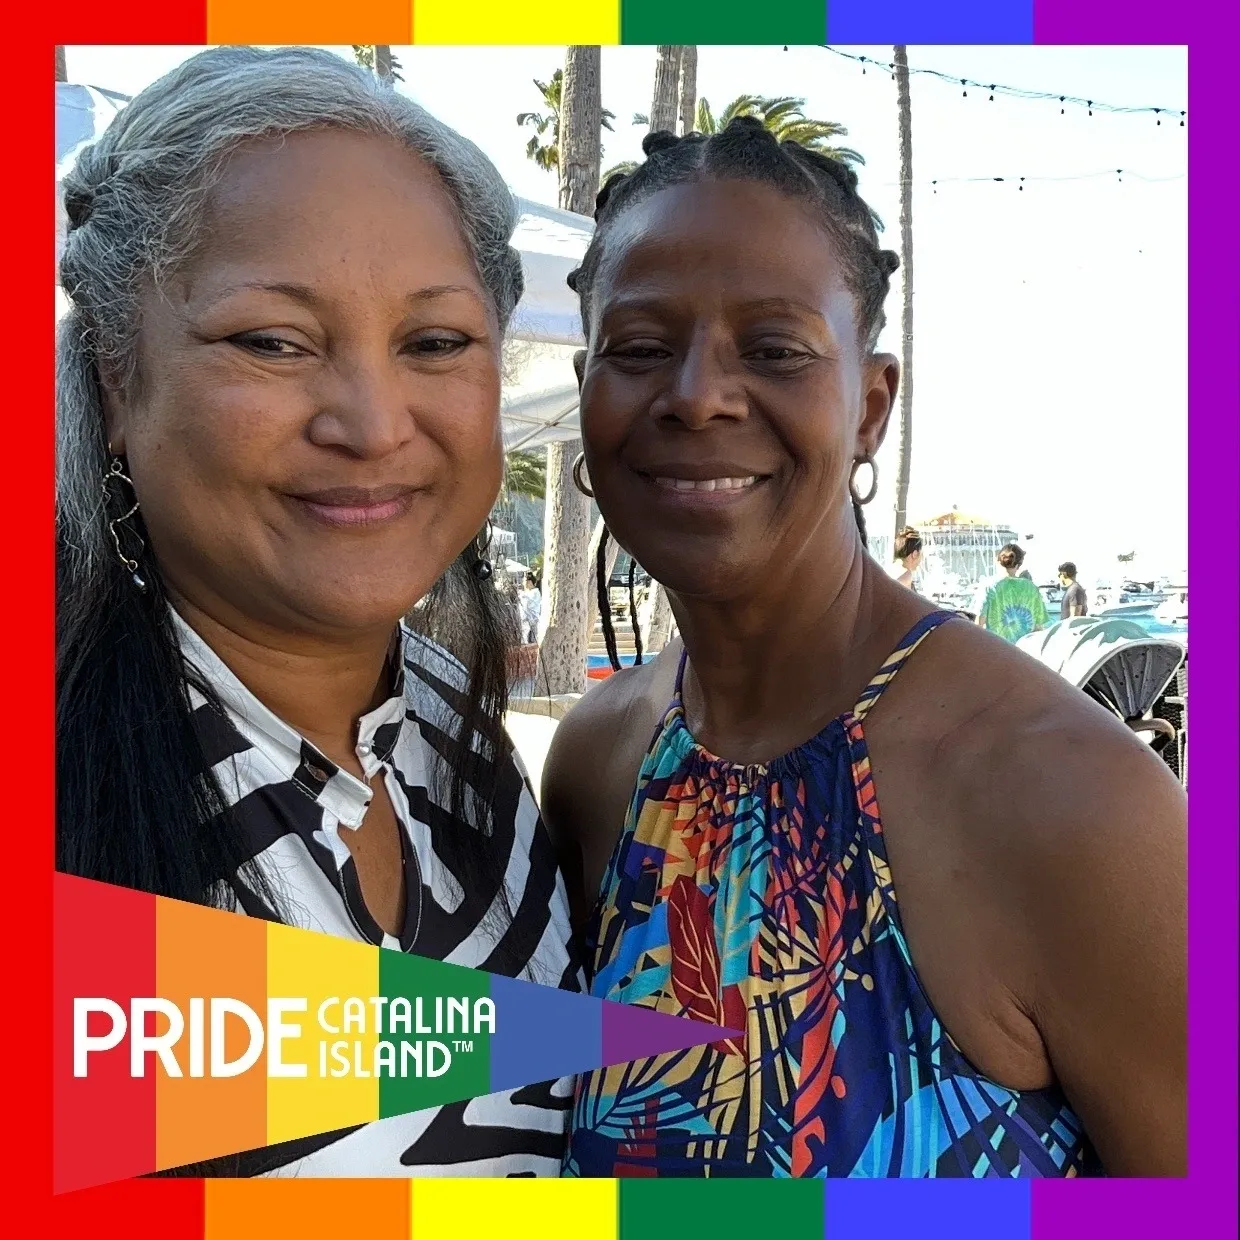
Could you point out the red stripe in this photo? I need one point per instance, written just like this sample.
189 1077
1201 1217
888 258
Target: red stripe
103 945
135 21
132 1210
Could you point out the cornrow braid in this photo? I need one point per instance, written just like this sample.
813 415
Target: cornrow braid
746 151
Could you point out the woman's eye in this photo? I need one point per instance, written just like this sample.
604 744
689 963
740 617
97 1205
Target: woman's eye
438 346
776 353
639 352
778 356
266 345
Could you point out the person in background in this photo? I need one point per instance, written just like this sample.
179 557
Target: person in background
1011 606
531 609
1075 600
907 556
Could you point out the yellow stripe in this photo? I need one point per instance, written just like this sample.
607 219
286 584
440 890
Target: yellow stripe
533 1209
534 22
317 967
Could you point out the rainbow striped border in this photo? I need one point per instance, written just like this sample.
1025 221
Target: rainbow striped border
1203 1205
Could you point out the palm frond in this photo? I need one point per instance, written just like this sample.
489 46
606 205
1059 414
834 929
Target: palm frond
624 167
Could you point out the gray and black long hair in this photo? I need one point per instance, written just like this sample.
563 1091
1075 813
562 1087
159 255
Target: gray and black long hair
136 804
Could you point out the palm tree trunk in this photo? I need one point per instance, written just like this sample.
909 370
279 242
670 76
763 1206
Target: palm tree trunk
61 74
383 62
613 551
660 620
581 119
666 104
906 274
566 533
688 88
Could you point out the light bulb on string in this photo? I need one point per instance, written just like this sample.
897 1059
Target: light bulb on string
992 92
1021 186
1158 120
1061 100
965 93
1089 103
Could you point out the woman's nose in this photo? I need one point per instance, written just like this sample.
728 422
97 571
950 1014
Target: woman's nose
703 386
367 411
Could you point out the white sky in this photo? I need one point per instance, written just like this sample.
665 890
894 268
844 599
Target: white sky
1050 323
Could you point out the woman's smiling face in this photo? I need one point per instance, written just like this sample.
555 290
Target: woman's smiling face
314 435
726 393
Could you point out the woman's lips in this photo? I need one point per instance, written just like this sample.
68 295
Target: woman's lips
697 494
354 506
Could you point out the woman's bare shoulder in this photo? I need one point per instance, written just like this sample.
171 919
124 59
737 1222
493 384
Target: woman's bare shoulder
1006 741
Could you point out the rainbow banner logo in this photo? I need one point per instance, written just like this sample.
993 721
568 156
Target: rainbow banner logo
183 1033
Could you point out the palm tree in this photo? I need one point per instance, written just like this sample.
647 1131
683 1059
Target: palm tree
784 117
378 58
666 103
546 154
563 634
688 88
525 473
625 166
906 277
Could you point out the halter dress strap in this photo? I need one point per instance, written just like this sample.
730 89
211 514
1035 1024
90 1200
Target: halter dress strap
897 659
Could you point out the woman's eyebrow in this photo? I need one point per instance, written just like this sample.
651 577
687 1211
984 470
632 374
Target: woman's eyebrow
307 295
784 305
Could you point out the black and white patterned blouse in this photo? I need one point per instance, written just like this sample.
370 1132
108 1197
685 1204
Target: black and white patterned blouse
293 804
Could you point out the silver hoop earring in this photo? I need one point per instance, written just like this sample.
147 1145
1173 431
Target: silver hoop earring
862 500
578 466
116 473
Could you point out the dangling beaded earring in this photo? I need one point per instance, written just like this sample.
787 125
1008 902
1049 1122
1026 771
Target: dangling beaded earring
483 568
115 473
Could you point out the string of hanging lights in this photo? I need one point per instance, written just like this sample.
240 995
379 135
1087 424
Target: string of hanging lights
992 89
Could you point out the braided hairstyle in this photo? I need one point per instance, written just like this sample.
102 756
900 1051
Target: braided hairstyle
746 151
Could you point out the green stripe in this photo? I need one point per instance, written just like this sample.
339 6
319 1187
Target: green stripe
721 1209
722 21
469 1075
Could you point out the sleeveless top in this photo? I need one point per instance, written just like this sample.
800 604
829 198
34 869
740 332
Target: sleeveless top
759 898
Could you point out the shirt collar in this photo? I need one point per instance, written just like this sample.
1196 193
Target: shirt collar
307 766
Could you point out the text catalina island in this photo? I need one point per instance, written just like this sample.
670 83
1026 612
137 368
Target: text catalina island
373 1037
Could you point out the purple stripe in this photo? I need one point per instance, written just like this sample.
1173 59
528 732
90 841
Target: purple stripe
1205 1204
1113 21
638 1033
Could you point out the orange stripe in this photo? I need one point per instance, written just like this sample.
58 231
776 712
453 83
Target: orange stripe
204 953
307 1209
309 21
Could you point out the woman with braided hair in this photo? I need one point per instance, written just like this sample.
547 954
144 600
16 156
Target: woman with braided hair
1021 1010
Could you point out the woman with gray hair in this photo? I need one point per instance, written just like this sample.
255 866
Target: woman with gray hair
278 430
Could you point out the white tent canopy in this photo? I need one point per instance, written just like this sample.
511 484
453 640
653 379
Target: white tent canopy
540 389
